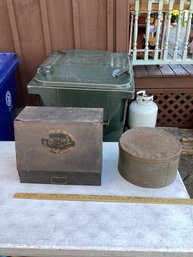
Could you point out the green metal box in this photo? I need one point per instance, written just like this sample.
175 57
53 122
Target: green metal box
98 79
58 145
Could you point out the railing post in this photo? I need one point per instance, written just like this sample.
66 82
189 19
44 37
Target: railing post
149 5
160 17
188 28
135 30
169 16
179 24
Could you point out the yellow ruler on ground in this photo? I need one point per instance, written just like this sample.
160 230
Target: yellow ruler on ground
103 198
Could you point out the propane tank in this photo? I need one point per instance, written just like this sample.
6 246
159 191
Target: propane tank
143 111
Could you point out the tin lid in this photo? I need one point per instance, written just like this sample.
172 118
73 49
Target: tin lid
150 145
60 114
87 69
8 63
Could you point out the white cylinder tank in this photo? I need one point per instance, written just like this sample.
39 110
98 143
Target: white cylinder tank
143 111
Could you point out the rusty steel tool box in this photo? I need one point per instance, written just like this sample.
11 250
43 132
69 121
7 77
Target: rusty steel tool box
58 145
79 78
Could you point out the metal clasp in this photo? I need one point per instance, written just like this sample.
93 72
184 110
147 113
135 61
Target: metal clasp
118 72
47 69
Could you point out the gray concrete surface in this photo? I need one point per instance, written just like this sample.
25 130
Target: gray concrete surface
58 228
186 172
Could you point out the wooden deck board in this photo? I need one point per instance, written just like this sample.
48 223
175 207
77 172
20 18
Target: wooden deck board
154 70
179 70
189 69
172 70
141 71
167 71
167 77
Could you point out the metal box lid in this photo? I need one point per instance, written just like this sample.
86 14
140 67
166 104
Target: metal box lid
101 70
63 115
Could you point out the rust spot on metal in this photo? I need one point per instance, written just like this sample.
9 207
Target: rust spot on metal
58 141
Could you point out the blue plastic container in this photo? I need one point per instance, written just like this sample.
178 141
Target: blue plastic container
8 65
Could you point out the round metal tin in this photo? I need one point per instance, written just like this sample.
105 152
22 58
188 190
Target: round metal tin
149 157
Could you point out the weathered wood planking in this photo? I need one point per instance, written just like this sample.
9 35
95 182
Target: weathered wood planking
172 70
36 28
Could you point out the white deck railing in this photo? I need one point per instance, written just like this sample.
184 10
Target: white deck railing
156 40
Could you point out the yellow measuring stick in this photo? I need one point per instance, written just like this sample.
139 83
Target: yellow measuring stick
104 198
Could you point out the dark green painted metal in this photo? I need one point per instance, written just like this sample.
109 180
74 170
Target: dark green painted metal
97 79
